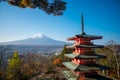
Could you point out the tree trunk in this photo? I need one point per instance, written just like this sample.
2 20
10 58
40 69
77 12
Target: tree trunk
118 74
117 64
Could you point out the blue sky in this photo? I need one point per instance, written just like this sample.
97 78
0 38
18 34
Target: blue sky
101 17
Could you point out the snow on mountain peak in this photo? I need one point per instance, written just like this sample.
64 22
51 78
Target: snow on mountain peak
38 35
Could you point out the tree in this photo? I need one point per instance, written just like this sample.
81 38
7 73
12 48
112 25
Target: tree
56 8
112 51
57 61
13 68
115 50
105 61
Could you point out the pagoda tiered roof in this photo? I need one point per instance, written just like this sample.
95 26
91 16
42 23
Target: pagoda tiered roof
70 76
85 46
90 67
84 56
91 37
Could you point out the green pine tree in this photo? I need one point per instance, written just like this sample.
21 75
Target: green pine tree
13 68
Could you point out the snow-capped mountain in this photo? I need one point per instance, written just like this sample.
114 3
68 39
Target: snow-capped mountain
37 39
38 35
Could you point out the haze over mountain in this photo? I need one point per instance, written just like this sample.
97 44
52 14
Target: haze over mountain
37 39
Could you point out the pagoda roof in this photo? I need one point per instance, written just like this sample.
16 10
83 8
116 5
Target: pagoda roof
85 46
73 66
92 37
85 56
70 76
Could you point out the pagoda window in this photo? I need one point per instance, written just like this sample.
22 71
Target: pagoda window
79 50
76 51
78 61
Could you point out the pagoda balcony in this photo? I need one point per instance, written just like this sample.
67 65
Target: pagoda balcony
84 46
85 56
88 46
83 50
83 53
84 41
83 61
82 68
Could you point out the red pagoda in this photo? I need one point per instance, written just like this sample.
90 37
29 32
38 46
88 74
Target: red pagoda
83 65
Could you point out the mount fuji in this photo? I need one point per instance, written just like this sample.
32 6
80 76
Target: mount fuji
37 39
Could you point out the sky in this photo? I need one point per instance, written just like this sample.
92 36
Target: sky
101 17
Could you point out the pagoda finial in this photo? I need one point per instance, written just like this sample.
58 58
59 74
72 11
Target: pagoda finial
82 24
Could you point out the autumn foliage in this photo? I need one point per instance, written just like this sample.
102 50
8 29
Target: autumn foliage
57 61
56 7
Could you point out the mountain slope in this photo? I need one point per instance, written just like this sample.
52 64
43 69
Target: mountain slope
37 39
